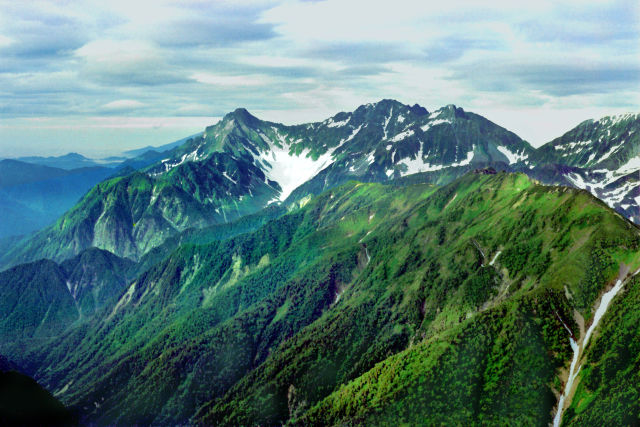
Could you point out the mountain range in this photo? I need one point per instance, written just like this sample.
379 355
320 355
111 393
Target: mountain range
242 164
388 265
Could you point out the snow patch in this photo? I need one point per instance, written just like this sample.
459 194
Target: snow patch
349 138
386 123
224 173
333 124
577 180
612 150
402 135
434 123
614 120
571 145
290 170
570 379
371 158
187 157
435 114
605 301
419 165
632 165
513 157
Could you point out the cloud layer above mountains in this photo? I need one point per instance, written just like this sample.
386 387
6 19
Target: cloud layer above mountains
293 61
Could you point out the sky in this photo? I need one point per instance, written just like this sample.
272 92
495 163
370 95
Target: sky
100 77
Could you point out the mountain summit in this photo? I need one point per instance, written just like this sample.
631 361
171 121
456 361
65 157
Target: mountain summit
241 164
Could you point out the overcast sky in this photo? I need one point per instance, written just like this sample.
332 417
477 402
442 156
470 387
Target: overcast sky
99 77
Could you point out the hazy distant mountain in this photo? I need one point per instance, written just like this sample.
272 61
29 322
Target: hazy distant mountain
34 196
70 161
166 147
15 172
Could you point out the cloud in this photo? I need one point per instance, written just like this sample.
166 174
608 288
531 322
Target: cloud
229 80
212 30
598 24
126 63
555 79
122 105
361 52
302 60
453 47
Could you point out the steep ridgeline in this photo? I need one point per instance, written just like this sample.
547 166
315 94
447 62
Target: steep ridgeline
242 164
42 299
373 143
130 215
370 304
602 156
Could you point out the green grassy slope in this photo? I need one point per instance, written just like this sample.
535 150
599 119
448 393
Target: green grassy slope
39 301
418 290
354 305
130 215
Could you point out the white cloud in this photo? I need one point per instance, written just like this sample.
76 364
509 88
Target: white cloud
534 67
5 41
123 104
226 80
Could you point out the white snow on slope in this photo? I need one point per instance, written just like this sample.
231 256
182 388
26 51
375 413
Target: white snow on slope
333 124
434 123
513 157
632 165
228 177
572 145
371 158
617 195
605 301
418 164
602 309
386 122
435 114
572 376
577 180
291 171
188 157
612 150
349 138
402 135
614 120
